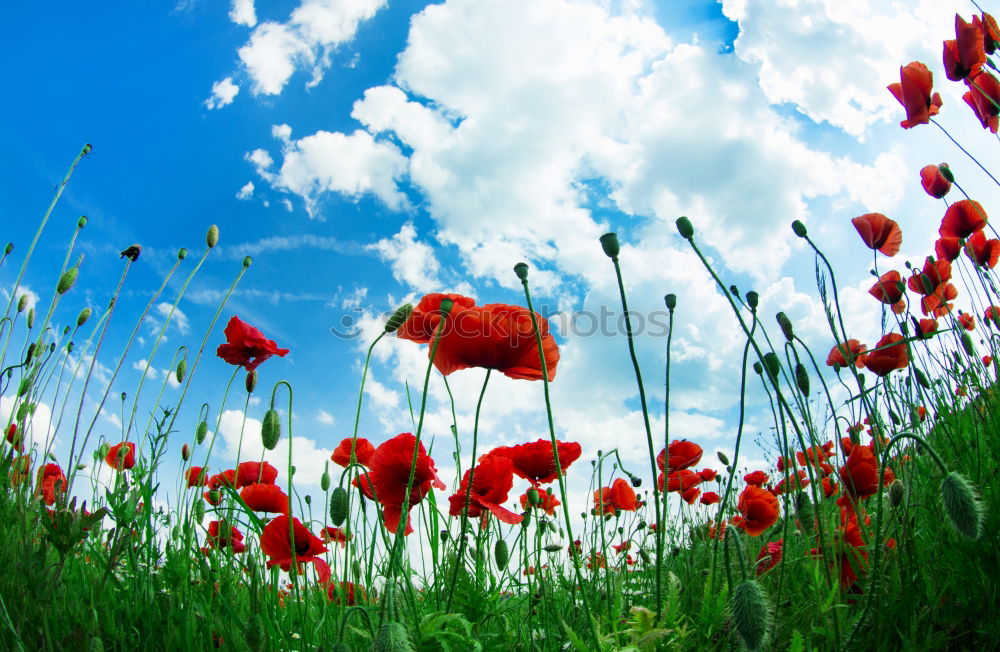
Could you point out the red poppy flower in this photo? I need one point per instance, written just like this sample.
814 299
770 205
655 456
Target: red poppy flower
364 485
881 361
926 328
248 473
967 321
966 51
769 556
121 456
830 487
363 450
992 316
914 92
757 478
278 542
423 322
221 539
683 455
707 475
860 474
921 413
690 494
246 346
851 348
549 502
265 498
53 483
620 496
879 232
710 498
799 480
758 510
13 437
962 219
984 91
197 476
390 464
933 274
948 248
682 480
991 32
335 535
226 478
815 454
535 461
491 482
987 360
934 182
351 593
20 469
939 302
852 555
982 252
889 290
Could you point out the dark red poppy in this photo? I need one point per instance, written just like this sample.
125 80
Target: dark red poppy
962 219
757 478
795 481
226 478
363 450
710 498
758 510
681 480
939 303
987 360
265 498
991 316
982 252
991 32
983 97
914 92
53 483
948 248
221 535
926 328
879 232
390 464
965 52
889 354
967 321
934 182
852 555
830 487
860 474
535 461
851 348
335 535
351 593
491 482
246 346
683 455
889 290
278 542
248 473
549 502
121 456
690 494
707 475
769 556
196 476
13 437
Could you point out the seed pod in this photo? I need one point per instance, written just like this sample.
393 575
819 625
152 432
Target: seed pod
212 237
526 519
67 280
967 344
799 229
398 318
722 458
750 614
897 492
22 302
786 326
753 299
533 497
802 378
772 365
324 481
338 506
392 637
521 271
82 318
671 301
610 245
685 228
181 370
270 429
308 499
200 432
501 554
961 505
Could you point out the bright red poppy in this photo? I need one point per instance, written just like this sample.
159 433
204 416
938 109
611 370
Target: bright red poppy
620 496
795 481
710 498
758 510
13 437
707 475
535 461
992 316
248 473
879 232
196 476
246 346
859 474
352 593
851 348
889 290
757 478
549 502
769 556
830 487
390 472
265 498
991 32
967 321
962 219
683 454
690 494
335 535
53 483
363 450
914 92
681 481
933 180
226 478
221 536
987 360
492 480
881 361
423 322
982 252
926 328
948 248
966 51
278 542
121 456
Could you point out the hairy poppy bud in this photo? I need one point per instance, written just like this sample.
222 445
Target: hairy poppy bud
685 228
181 370
82 318
961 505
609 243
132 252
30 353
67 280
799 229
753 299
9 248
552 547
786 326
802 378
251 381
338 506
247 261
446 305
896 492
87 149
722 458
69 347
921 378
552 526
671 301
82 222
270 429
22 302
501 554
182 253
758 369
31 318
521 270
967 344
398 318
324 481
533 497
392 637
212 237
201 431
185 452
773 365
750 614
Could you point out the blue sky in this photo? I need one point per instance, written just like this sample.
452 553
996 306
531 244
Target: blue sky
376 151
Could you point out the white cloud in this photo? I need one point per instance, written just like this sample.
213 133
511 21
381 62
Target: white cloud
246 192
36 428
180 320
413 263
324 417
143 366
30 302
243 13
223 93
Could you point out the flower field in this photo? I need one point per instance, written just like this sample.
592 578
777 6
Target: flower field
874 528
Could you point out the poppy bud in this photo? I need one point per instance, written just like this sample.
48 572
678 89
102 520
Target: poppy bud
255 635
392 637
182 253
722 458
398 318
82 318
22 389
786 326
103 450
444 535
201 431
501 554
804 510
338 506
533 497
96 644
757 368
609 242
896 492
921 378
185 452
87 149
30 353
753 299
247 261
802 378
270 429
552 526
521 270
967 344
750 614
733 290
214 496
67 280
132 252
308 499
525 518
291 470
181 370
324 481
9 248
212 237
251 381
960 504
635 480
671 301
31 318
685 228
22 302
552 547
773 365
82 222
894 418
799 229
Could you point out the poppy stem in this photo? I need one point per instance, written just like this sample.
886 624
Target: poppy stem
965 151
671 302
361 392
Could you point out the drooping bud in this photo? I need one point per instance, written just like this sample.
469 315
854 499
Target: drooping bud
132 252
685 228
501 554
753 299
185 452
338 506
251 381
398 318
750 614
799 229
786 326
82 318
201 431
521 270
270 429
67 280
671 301
181 370
22 302
212 237
897 491
961 505
609 243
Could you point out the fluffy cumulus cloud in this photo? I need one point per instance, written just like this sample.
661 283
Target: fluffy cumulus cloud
307 40
223 93
413 263
246 192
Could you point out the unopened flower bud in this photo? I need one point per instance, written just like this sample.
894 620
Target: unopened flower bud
896 492
521 270
87 149
722 458
338 506
609 243
251 381
31 318
201 431
967 344
750 614
82 318
802 378
9 248
308 499
786 326
685 228
247 261
799 229
398 318
270 429
772 364
501 554
961 505
132 252
82 222
324 481
182 253
67 280
22 302
212 237
758 369
181 370
671 301
185 452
